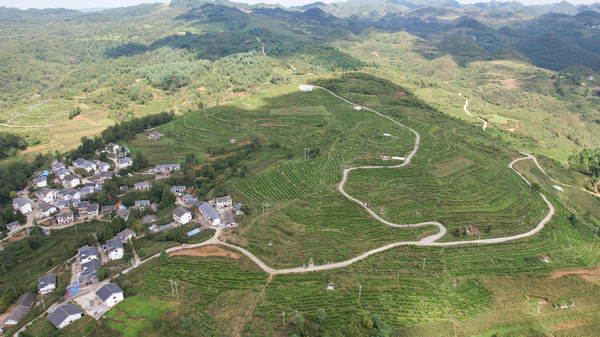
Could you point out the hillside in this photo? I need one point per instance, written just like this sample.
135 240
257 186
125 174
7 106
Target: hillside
389 168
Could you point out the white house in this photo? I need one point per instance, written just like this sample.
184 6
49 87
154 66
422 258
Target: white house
103 167
127 234
65 315
182 215
144 185
46 209
223 202
87 253
46 195
72 180
57 166
41 181
209 212
47 284
22 205
115 150
124 162
114 248
13 225
62 173
20 309
87 165
141 204
178 190
65 217
167 168
110 294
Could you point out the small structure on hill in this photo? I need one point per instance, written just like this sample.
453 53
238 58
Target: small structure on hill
65 315
47 284
21 308
110 294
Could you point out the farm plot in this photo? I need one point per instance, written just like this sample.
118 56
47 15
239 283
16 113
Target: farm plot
207 277
134 314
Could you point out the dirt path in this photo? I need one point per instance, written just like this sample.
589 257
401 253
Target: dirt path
590 274
468 113
206 251
240 325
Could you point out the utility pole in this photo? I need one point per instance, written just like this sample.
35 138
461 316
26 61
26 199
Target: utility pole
44 304
172 290
596 232
541 215
28 273
265 205
359 291
306 153
66 265
522 220
283 319
423 263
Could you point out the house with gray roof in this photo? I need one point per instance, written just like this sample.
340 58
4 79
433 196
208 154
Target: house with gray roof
209 212
144 185
189 200
167 168
92 265
65 315
57 166
103 166
22 205
87 165
178 190
46 194
223 202
115 248
150 218
124 162
141 204
65 218
20 309
72 180
100 177
127 233
41 181
110 294
108 209
115 150
62 204
156 135
92 209
124 213
47 210
88 278
47 284
182 215
87 253
62 173
13 225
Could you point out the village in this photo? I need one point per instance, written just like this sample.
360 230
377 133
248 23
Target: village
46 205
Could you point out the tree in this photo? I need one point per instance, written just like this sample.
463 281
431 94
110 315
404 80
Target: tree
188 324
164 258
321 315
101 273
298 319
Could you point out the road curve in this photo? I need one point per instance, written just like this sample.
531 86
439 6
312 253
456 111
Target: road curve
427 241
468 113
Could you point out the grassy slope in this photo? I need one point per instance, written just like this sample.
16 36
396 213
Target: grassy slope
516 98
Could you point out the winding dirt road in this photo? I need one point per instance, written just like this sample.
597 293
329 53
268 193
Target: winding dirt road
468 113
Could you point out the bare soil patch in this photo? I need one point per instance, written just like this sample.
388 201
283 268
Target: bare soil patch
587 273
34 148
567 325
206 251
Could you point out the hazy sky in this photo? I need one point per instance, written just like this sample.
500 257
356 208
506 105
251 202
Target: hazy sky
82 4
